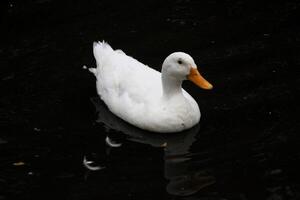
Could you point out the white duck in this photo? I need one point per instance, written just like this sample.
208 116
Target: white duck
144 97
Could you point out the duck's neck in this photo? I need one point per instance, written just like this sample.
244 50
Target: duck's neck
171 86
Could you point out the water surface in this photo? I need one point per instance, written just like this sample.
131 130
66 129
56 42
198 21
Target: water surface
246 146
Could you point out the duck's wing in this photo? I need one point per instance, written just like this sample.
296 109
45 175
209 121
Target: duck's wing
122 79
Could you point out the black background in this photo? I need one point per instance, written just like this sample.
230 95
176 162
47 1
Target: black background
248 139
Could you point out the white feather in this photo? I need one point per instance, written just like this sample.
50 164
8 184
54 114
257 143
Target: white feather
133 92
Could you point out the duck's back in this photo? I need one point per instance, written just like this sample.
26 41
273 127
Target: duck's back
127 86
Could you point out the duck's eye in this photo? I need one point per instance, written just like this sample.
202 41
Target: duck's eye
179 62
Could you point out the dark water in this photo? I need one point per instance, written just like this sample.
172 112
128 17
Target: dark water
246 147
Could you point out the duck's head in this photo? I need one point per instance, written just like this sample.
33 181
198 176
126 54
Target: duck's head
181 66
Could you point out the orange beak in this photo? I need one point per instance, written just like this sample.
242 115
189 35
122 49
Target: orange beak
196 78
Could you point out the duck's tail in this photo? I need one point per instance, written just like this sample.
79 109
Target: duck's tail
100 50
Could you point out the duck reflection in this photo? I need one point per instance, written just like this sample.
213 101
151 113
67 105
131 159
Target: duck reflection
183 179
